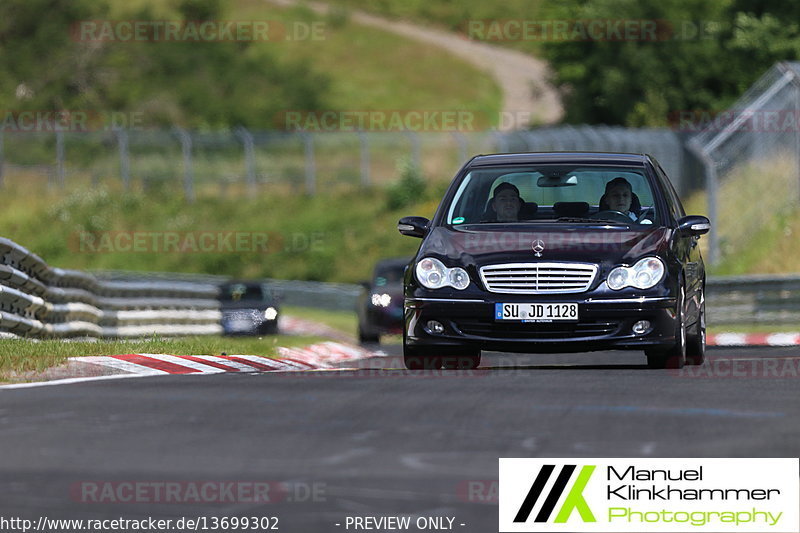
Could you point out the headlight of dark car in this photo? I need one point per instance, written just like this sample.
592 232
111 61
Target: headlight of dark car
644 274
381 300
433 274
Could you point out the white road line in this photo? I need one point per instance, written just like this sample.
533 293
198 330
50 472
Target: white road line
68 381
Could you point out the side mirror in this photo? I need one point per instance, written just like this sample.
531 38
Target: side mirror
413 226
694 225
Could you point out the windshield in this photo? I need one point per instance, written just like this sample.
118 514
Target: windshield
388 275
562 193
240 292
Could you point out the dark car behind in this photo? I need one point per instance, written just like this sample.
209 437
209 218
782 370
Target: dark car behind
248 308
380 304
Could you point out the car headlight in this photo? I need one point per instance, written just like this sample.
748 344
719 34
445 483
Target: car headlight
432 274
270 313
381 300
643 275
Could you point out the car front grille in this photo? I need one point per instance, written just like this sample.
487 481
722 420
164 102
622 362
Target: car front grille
538 278
509 330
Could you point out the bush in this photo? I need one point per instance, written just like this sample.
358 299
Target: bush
410 188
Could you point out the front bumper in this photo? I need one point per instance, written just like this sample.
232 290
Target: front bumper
604 323
248 323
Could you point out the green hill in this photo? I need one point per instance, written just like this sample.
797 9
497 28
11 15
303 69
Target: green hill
66 62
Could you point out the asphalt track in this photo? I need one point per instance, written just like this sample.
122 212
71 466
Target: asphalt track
378 441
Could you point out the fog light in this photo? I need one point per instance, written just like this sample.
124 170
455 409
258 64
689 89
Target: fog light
435 327
641 327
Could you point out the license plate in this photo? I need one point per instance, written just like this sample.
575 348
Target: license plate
240 325
536 312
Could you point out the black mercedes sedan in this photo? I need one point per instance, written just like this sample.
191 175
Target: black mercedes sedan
556 252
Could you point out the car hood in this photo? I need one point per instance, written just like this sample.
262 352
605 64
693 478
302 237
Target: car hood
602 245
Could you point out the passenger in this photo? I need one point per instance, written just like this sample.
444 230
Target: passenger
619 197
506 202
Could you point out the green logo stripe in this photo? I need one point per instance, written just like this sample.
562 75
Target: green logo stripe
575 499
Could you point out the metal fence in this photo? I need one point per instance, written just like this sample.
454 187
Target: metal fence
245 162
751 154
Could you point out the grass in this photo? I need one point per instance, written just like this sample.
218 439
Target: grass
299 237
21 357
368 69
757 219
455 16
338 234
344 321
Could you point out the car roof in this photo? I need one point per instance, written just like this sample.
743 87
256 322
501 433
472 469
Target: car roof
559 157
247 283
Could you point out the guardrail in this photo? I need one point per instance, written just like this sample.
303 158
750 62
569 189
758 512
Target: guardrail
729 300
754 300
37 300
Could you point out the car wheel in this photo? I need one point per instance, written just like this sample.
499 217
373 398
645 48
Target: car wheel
674 356
419 358
696 342
364 337
462 359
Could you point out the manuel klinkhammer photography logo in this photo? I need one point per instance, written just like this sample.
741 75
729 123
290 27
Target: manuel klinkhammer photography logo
641 495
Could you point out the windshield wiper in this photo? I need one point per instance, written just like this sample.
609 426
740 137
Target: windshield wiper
595 221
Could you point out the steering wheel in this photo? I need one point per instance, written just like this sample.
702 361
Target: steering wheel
610 214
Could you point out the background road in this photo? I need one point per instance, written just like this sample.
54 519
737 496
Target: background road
378 441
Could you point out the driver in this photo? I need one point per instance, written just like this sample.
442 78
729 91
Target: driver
506 202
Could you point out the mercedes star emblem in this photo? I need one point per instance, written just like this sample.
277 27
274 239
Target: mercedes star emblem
538 247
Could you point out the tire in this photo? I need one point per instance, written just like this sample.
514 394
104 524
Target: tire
418 358
674 356
367 338
696 341
270 330
462 359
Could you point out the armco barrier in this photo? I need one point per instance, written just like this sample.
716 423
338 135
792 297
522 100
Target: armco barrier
729 299
754 299
41 301
37 300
